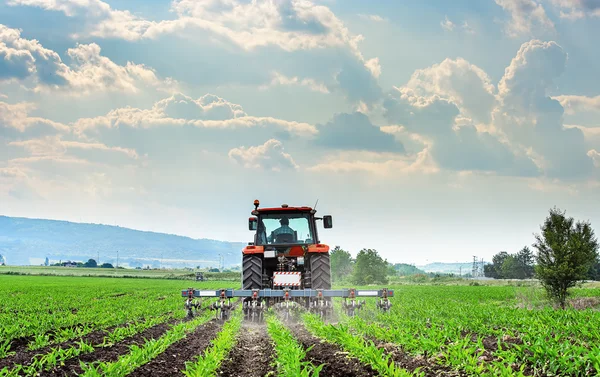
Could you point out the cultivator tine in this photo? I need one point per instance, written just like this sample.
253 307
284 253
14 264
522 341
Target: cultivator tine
221 307
254 308
384 303
321 306
192 305
352 306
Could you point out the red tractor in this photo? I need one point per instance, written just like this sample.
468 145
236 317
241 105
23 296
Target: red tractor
286 267
286 251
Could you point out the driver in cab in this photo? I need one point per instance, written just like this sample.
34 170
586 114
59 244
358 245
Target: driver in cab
283 229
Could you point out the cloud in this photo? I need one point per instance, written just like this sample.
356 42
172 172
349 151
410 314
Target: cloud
289 24
16 122
210 112
22 59
355 132
269 156
280 79
207 107
447 24
372 17
459 81
453 147
528 17
533 120
595 156
573 104
577 9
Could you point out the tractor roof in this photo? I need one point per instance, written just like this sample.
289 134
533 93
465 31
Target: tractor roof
285 209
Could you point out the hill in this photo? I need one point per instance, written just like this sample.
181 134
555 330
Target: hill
25 241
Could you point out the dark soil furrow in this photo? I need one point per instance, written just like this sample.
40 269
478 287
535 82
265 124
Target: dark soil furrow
411 363
72 368
22 352
337 362
172 361
253 354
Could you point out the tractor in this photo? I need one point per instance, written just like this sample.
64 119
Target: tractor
287 267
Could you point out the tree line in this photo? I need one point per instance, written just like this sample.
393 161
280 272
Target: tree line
564 253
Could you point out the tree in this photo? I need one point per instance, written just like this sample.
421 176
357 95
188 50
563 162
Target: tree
106 265
565 253
369 268
341 264
90 263
489 271
46 262
525 263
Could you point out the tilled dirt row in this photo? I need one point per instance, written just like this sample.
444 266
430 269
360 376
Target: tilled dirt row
253 354
22 352
172 361
337 363
72 368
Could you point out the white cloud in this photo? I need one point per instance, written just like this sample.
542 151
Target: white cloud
372 17
280 79
459 81
574 104
269 156
595 156
55 147
374 67
532 120
528 17
447 24
290 24
25 60
577 9
209 111
379 164
16 117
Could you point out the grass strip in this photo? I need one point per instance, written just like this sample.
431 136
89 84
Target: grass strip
289 352
207 364
142 355
361 348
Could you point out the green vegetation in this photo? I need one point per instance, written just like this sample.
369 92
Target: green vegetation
473 330
566 253
208 363
290 354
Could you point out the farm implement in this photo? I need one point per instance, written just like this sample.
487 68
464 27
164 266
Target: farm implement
286 267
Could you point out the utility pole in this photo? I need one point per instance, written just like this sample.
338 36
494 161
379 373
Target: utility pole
98 259
117 258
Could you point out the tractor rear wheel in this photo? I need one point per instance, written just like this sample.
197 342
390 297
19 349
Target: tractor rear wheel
252 276
320 271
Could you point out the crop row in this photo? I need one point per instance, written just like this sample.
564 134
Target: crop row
44 311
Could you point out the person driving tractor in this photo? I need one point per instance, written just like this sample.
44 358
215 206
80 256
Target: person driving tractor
283 229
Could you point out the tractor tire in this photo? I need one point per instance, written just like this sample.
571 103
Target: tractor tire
320 271
252 276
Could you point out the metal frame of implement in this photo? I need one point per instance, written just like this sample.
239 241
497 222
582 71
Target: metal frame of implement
286 293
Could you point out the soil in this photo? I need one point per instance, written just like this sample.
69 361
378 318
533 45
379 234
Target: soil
71 367
172 361
253 354
411 363
337 363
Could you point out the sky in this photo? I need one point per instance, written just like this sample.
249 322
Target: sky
432 131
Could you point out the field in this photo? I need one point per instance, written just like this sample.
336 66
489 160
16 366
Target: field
94 326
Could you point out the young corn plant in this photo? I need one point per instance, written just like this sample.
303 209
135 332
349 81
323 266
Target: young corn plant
357 346
207 364
144 354
290 354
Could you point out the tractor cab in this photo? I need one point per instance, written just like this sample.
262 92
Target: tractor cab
283 227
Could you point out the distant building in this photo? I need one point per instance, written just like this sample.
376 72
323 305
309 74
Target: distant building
69 264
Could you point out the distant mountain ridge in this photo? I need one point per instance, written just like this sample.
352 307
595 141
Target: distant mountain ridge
25 241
